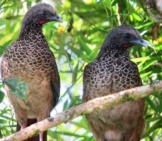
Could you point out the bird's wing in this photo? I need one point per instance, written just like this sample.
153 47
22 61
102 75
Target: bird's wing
55 83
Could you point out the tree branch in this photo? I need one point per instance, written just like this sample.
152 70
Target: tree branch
95 104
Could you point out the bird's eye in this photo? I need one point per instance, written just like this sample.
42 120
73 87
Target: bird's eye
44 13
127 35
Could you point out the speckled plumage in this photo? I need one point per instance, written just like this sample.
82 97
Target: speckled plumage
113 71
29 58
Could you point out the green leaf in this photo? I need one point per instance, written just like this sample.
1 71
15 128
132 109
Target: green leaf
1 96
75 72
2 121
84 46
114 2
18 87
152 104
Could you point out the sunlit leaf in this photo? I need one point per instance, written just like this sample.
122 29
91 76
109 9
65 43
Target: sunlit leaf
1 96
18 87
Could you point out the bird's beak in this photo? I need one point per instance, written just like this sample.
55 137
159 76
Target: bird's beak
55 18
139 42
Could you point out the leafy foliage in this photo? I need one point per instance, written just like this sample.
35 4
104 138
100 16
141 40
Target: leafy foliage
76 42
18 87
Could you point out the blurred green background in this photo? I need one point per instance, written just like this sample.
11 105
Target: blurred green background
76 42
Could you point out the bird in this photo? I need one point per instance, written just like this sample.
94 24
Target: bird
112 71
30 59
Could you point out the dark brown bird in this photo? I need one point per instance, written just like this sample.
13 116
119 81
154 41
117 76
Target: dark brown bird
113 71
30 59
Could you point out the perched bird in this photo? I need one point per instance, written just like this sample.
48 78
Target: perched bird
113 71
30 59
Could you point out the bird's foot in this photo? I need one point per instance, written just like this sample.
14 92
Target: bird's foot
23 126
41 136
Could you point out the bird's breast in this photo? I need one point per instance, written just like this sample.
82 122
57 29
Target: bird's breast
27 61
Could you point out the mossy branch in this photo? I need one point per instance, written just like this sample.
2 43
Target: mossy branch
95 104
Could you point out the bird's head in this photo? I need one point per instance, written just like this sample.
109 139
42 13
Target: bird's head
41 14
125 37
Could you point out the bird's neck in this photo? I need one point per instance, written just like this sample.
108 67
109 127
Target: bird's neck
31 29
114 53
